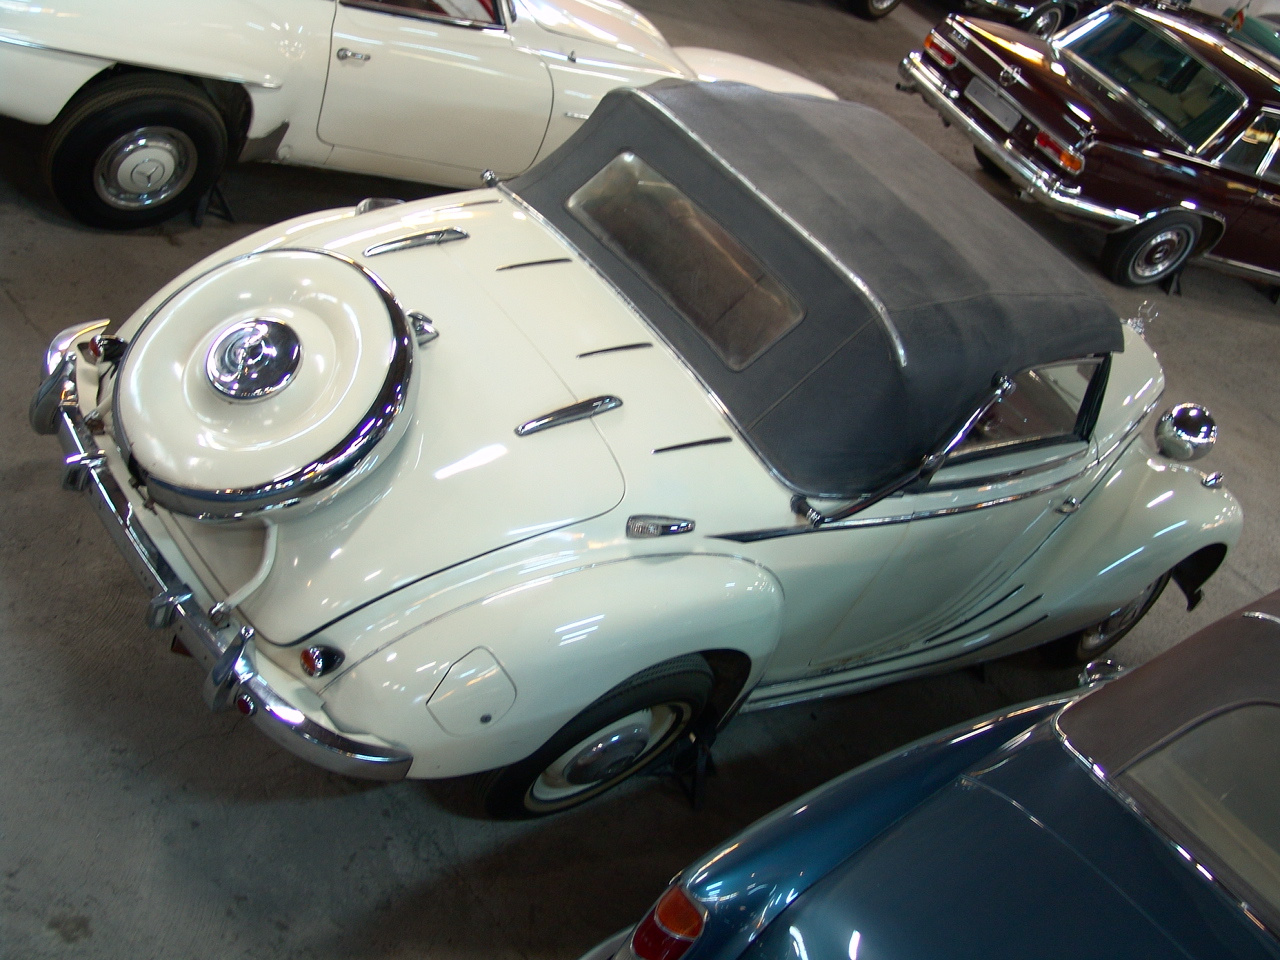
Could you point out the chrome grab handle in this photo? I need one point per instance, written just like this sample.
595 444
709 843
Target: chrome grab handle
346 53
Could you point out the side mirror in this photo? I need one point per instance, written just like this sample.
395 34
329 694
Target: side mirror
1187 432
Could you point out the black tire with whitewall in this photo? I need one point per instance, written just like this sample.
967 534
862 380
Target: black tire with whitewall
1152 251
1091 642
872 9
619 734
1045 20
134 150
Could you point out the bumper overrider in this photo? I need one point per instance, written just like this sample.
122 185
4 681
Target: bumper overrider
1034 182
224 650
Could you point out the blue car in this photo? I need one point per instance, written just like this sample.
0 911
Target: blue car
1135 818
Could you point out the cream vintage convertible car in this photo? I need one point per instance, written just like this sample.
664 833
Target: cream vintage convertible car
147 99
739 399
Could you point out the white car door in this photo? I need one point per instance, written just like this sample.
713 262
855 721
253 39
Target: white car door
436 81
1019 474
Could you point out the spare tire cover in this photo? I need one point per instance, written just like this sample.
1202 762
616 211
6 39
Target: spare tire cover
264 383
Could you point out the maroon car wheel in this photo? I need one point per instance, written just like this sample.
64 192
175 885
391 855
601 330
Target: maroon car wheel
1149 253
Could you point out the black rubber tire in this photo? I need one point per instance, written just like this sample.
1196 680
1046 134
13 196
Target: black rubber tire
872 9
989 166
1092 642
1150 252
1045 20
101 115
682 684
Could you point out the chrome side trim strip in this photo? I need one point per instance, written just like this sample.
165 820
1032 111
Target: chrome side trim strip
429 238
174 606
1227 265
1259 615
582 410
381 421
753 536
877 305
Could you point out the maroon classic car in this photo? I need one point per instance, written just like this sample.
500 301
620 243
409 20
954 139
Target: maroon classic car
1158 127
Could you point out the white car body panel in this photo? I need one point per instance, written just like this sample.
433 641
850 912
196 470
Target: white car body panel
435 102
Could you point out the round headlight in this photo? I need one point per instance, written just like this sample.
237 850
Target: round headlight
1187 432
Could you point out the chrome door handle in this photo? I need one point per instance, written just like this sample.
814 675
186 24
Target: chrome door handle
344 53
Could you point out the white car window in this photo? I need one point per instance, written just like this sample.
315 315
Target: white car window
1045 406
471 11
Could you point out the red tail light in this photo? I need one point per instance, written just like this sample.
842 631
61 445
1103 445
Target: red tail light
1068 159
669 929
940 50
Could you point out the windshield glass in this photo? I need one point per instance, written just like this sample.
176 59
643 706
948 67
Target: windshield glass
1194 100
1213 788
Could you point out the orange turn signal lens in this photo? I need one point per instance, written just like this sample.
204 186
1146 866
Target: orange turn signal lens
669 929
1065 157
940 50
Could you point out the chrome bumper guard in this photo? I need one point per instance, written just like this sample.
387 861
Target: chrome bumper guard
220 650
1034 182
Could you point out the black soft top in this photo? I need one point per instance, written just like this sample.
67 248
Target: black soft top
917 287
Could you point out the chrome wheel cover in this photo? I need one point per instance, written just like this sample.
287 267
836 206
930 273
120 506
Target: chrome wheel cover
1162 252
607 755
1047 23
144 167
1100 635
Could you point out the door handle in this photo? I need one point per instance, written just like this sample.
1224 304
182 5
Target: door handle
344 53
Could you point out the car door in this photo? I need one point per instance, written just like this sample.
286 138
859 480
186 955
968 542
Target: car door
436 81
1254 237
1017 475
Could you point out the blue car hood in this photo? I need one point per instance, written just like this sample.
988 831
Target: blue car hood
970 873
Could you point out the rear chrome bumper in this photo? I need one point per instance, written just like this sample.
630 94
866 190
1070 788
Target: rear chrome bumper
1035 183
226 652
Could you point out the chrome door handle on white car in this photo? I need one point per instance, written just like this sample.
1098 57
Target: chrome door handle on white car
346 53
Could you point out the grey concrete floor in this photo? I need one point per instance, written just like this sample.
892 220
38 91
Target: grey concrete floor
134 823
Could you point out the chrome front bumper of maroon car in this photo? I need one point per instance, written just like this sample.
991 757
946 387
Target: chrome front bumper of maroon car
1034 182
224 651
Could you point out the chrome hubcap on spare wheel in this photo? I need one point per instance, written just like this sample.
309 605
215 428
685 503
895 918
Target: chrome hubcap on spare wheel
145 167
253 359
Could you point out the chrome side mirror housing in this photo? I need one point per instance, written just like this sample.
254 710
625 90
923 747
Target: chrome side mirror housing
1186 432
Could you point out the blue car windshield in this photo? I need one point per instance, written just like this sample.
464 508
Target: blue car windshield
1213 789
1193 100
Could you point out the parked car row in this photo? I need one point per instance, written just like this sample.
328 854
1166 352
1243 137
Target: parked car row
732 399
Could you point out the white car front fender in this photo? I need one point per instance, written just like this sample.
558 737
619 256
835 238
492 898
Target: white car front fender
537 653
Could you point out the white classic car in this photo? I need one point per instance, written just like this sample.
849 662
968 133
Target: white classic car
739 399
146 99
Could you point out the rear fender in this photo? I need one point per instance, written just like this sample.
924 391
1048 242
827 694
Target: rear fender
547 648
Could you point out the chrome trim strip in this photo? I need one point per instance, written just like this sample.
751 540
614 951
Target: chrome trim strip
534 263
869 678
428 238
582 410
753 536
710 441
618 349
1129 431
1259 615
1235 267
382 421
174 607
876 304
32 45
1010 475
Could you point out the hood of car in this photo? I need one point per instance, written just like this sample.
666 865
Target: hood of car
1054 91
606 22
969 873
460 482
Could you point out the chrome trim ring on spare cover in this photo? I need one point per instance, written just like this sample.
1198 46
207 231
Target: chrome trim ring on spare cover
266 474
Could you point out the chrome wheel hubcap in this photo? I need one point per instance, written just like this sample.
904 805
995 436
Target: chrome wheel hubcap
1100 635
608 754
145 167
1046 24
1161 253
